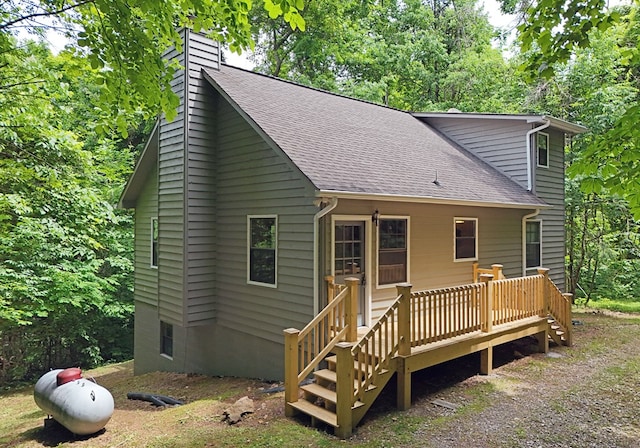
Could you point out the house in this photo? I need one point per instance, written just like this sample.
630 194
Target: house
262 187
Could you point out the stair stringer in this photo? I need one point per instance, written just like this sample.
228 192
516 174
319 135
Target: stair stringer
370 395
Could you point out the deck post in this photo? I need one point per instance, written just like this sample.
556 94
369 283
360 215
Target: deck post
344 389
475 272
543 302
567 331
404 346
497 271
351 309
486 307
404 319
290 369
486 360
331 288
486 355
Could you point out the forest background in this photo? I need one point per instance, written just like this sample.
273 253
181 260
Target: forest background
73 123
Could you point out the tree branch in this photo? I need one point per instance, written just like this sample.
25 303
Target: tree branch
43 14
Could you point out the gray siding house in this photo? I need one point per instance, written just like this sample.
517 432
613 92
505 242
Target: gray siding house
262 187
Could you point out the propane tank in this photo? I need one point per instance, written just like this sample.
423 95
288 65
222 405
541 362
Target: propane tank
81 406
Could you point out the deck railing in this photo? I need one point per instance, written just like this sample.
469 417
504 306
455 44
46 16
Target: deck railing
440 314
518 298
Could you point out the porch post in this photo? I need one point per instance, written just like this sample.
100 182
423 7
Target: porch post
486 355
475 272
290 370
351 309
344 389
404 346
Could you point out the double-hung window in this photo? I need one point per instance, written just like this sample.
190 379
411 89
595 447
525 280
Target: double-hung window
262 250
466 239
542 145
533 244
393 235
154 242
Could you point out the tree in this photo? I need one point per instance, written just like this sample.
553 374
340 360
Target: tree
410 54
554 31
126 40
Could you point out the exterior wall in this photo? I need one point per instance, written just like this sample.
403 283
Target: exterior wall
431 244
253 179
146 277
549 185
501 143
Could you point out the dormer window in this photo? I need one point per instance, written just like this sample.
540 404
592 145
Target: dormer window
542 144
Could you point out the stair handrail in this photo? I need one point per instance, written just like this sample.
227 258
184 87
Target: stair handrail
306 348
375 349
560 309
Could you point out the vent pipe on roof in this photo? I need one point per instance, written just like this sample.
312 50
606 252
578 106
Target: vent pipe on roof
530 152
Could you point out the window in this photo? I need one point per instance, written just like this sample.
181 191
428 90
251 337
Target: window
166 339
392 251
154 242
262 250
466 241
533 244
543 149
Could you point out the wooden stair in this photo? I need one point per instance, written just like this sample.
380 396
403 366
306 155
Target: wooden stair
319 399
556 331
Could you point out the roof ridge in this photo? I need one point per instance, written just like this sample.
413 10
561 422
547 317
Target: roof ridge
317 89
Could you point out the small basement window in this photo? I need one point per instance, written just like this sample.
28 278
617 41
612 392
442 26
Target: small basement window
262 247
466 239
166 339
543 149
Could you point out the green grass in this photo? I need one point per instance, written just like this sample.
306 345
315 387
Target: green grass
611 305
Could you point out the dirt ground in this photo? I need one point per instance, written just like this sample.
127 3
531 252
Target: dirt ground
583 396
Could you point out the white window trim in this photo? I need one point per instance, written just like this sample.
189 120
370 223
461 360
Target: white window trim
538 150
534 269
151 265
462 218
377 249
252 282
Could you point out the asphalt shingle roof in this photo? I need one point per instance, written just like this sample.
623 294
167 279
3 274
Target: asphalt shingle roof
347 145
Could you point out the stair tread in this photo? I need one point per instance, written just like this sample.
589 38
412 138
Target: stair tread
331 376
319 391
316 412
326 394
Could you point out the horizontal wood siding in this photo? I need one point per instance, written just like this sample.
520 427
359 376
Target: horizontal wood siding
431 241
501 143
171 195
146 277
253 179
201 192
549 185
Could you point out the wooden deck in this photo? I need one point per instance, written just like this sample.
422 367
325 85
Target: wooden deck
419 330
